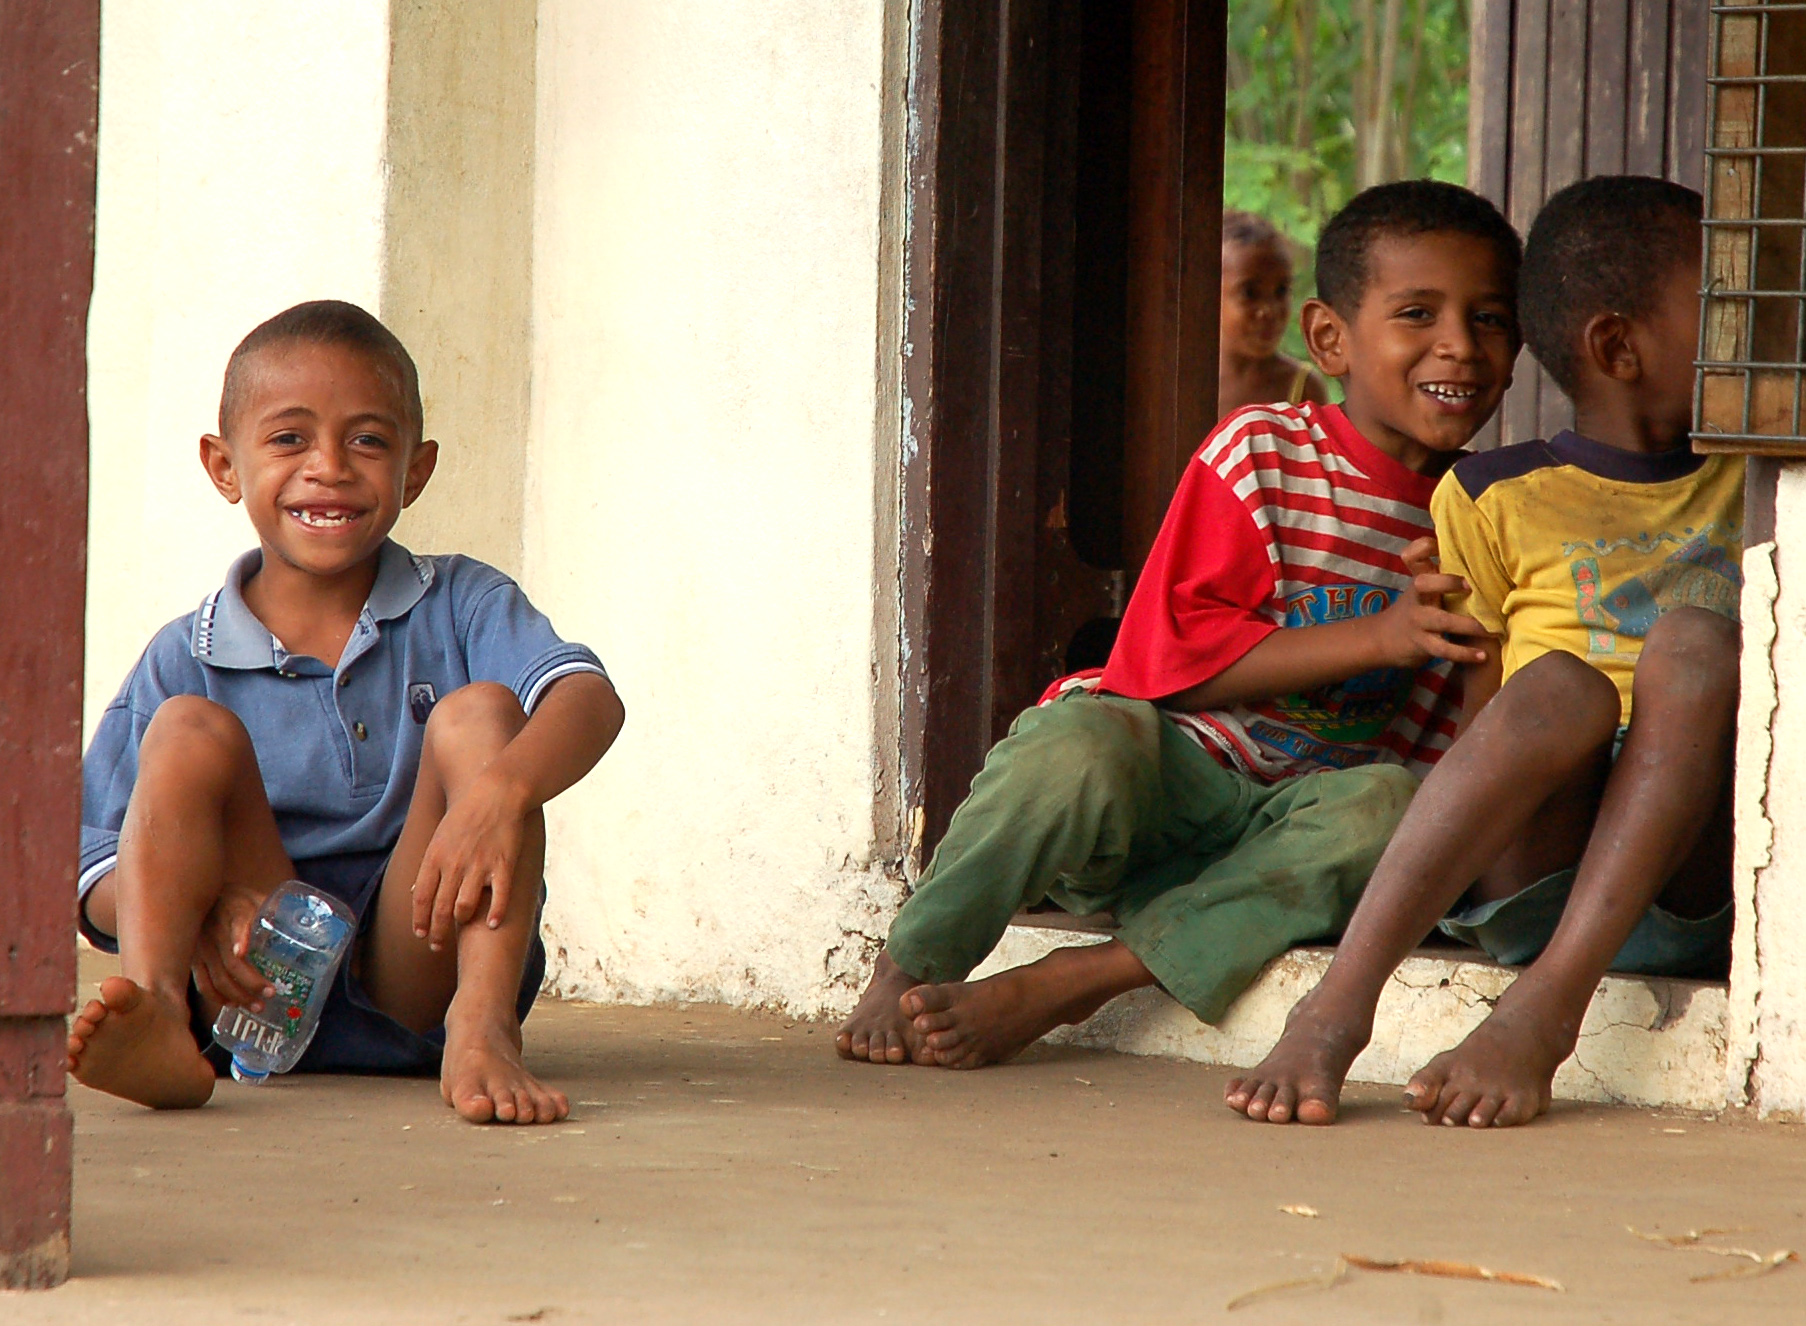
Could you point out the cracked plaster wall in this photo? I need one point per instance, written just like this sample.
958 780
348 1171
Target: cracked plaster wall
1768 1014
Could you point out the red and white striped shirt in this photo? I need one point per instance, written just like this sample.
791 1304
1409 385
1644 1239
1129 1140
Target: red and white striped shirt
1286 517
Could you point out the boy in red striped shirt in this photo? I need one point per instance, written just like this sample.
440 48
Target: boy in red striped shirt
1281 678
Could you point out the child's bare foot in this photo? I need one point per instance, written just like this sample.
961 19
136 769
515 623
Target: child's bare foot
878 1031
483 1079
968 1024
134 1044
1302 1077
1500 1076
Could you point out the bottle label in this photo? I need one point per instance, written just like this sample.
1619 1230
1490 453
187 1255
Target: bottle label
293 989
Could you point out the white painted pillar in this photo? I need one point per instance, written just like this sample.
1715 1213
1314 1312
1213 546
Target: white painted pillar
1766 1061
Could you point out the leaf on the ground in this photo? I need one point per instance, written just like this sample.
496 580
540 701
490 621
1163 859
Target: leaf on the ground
1451 1271
1308 1212
1329 1280
1687 1240
1763 1265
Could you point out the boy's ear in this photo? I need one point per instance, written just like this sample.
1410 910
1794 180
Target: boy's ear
1607 344
216 459
1325 336
421 464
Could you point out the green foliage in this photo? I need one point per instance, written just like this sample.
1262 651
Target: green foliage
1309 122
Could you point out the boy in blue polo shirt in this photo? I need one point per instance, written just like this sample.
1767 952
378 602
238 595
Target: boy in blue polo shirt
385 727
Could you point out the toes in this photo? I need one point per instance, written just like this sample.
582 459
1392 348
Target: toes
894 1050
1483 1114
476 1108
843 1044
926 999
120 995
1260 1100
1234 1096
1422 1090
945 1041
1518 1108
1456 1107
1285 1102
1316 1111
924 1023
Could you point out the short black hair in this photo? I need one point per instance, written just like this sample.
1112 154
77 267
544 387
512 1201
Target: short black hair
1252 230
325 322
1604 245
1401 210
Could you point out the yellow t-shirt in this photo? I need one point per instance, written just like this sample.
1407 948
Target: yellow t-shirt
1570 544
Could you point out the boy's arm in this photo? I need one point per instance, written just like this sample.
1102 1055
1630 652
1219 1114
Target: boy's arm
571 729
1407 634
1469 552
478 843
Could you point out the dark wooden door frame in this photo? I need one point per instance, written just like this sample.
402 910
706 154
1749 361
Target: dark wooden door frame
974 376
49 76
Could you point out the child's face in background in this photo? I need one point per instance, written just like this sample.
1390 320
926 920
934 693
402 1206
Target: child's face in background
1257 299
322 453
1427 356
1671 345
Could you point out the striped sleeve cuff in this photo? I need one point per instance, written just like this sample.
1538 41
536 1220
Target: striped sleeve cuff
531 685
100 853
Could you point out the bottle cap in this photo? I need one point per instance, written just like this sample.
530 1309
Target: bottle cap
251 1077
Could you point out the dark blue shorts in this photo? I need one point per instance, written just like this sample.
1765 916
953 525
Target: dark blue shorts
354 1035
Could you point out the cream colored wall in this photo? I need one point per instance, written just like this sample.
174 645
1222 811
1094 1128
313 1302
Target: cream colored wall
241 170
458 258
708 273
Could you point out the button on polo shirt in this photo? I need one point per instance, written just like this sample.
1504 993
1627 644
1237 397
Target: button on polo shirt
339 748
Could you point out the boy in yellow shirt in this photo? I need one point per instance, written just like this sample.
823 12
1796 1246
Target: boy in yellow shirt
1580 823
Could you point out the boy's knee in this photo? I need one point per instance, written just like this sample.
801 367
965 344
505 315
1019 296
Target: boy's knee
1694 652
196 731
1389 787
1080 735
1562 698
1706 639
481 707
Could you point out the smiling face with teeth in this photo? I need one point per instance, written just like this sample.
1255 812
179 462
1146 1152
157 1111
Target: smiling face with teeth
324 453
1427 356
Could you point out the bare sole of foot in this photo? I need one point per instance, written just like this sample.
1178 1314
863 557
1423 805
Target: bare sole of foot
483 1079
133 1044
879 1032
1501 1076
1301 1079
968 1024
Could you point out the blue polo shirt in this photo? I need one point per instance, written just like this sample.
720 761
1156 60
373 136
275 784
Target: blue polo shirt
339 748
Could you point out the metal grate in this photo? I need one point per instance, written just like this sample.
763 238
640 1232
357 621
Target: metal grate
1752 366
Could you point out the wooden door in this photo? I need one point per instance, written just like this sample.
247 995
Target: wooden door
1063 211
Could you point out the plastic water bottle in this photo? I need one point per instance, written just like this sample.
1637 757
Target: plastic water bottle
297 942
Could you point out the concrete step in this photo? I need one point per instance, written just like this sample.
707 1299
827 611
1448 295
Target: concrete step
1646 1041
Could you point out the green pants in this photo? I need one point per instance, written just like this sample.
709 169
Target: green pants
1098 803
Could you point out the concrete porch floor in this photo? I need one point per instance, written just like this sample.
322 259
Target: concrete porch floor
725 1167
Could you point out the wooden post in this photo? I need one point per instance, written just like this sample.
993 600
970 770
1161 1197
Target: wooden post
49 77
1175 253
